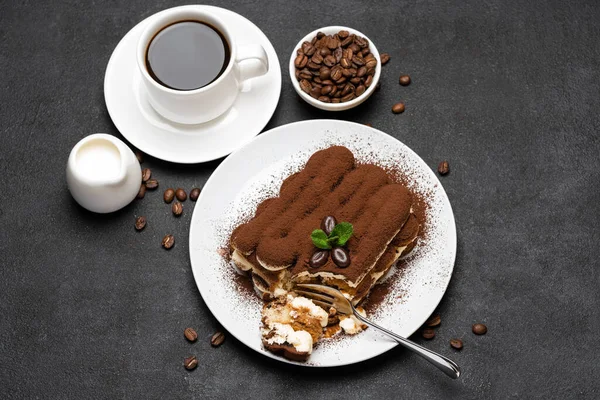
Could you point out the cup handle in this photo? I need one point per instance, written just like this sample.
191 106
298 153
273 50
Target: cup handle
254 69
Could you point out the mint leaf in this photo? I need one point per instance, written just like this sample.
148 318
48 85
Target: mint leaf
319 239
343 231
333 240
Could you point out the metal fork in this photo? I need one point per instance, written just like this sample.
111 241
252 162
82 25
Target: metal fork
327 297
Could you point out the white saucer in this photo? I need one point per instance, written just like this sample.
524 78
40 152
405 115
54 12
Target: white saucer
148 131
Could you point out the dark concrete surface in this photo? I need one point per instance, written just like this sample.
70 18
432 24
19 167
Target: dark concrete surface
506 91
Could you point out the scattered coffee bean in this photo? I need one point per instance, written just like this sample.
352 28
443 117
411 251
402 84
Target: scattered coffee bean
146 174
151 184
340 257
190 363
433 321
169 195
141 192
405 80
398 108
428 333
385 58
319 258
177 208
479 329
194 193
456 343
190 334
444 168
140 156
180 194
140 223
168 241
217 339
328 223
340 58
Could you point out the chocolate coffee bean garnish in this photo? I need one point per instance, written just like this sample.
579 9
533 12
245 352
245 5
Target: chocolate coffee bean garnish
319 258
479 329
340 257
194 193
140 223
217 339
151 184
398 108
180 194
190 334
405 80
334 60
328 224
169 195
177 209
142 192
168 241
456 343
146 174
338 236
444 168
190 363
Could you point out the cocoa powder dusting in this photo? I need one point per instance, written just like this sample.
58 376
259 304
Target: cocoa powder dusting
244 284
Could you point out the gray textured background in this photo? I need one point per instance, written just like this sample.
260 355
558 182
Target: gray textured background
507 91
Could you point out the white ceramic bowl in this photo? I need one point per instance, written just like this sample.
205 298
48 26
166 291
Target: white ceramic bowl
330 30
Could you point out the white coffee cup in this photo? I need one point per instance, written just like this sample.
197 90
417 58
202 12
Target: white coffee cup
207 103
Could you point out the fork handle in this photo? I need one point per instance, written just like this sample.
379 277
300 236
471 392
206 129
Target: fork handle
444 364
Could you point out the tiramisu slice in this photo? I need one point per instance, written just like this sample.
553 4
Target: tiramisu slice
276 245
336 223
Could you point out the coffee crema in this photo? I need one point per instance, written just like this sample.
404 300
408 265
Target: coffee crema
187 55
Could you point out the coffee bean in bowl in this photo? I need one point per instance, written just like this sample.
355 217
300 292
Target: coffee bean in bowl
335 68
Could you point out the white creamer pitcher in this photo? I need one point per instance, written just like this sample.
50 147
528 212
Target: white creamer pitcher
103 174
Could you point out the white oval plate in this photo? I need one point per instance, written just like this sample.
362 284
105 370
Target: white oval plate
130 111
256 171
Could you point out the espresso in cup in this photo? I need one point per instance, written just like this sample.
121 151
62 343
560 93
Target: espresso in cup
187 55
192 68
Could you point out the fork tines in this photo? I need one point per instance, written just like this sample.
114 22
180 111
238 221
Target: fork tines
322 296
